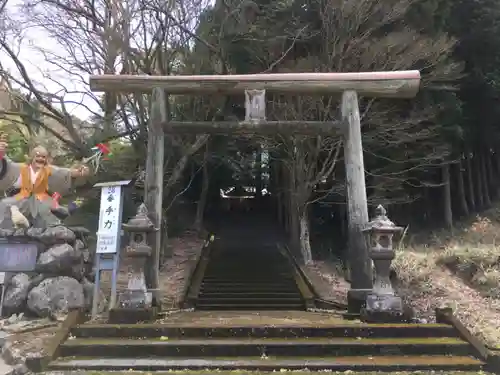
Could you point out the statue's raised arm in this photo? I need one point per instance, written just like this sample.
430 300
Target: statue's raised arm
32 184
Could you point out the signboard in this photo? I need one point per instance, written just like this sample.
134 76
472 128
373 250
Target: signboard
110 214
108 238
18 257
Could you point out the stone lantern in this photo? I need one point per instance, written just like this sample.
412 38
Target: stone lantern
137 253
382 305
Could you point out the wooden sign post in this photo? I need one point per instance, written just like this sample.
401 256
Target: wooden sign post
108 238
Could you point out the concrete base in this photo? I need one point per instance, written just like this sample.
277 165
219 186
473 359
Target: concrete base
384 303
135 299
382 317
383 309
356 300
132 316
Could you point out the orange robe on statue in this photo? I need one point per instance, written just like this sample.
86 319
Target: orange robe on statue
40 188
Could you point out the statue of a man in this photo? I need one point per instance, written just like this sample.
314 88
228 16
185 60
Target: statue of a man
34 180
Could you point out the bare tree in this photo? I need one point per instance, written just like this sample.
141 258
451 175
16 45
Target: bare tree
306 163
96 37
353 35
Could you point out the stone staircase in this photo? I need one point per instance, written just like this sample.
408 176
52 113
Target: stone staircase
250 315
249 279
315 346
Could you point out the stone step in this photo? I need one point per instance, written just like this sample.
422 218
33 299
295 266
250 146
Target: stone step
248 287
247 293
359 363
244 269
220 278
225 254
257 279
245 300
299 372
256 283
281 331
236 269
212 306
244 290
166 347
254 259
251 294
245 279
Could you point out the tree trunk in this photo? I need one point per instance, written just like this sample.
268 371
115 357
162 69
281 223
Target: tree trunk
496 163
294 228
180 166
484 180
478 182
462 201
294 211
279 195
448 212
496 168
490 174
471 195
258 177
287 200
426 208
305 241
202 202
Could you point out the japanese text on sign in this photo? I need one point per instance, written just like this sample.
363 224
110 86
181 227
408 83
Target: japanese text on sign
109 219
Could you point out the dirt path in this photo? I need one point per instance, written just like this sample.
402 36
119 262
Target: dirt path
186 250
328 281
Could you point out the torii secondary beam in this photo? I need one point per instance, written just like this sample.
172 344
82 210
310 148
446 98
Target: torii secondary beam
397 84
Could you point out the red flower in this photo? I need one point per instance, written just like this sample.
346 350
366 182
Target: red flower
104 148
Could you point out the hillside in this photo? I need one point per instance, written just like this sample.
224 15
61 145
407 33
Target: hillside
458 268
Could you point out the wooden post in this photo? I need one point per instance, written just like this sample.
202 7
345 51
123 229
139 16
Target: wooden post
357 205
153 195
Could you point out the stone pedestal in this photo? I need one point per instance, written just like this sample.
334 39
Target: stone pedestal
136 295
120 315
383 309
135 303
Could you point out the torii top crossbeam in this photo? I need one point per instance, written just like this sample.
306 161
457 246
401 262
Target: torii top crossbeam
397 84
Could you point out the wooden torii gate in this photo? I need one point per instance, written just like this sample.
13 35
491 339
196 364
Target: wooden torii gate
396 84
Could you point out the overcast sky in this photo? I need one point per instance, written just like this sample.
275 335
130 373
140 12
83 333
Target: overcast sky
39 69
